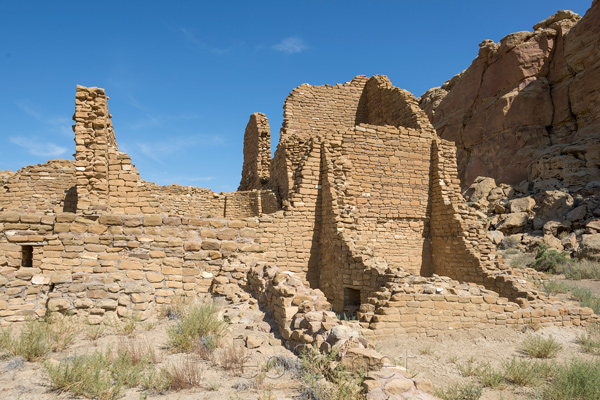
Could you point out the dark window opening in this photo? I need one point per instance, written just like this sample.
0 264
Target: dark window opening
27 256
351 302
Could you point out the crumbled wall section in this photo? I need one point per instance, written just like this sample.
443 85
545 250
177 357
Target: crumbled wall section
108 182
257 153
41 188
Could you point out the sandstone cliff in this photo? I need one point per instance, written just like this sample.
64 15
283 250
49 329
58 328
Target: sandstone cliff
528 107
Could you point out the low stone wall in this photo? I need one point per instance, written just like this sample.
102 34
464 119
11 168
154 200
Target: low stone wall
419 306
113 265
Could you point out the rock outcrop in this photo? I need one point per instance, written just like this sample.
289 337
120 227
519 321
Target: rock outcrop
528 107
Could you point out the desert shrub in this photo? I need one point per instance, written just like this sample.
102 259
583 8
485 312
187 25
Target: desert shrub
277 365
554 287
33 342
585 298
126 326
521 372
94 332
468 368
509 242
580 269
234 359
467 391
183 374
63 330
521 260
590 340
85 375
541 347
490 377
198 320
578 379
323 377
549 260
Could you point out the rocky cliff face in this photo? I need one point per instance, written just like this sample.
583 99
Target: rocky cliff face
528 108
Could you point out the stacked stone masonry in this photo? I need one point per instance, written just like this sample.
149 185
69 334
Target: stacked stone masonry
361 202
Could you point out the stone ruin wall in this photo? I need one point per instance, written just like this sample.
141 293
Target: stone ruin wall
115 265
257 153
311 220
42 188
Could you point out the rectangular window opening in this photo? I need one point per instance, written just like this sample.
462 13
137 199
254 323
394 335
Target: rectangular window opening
26 256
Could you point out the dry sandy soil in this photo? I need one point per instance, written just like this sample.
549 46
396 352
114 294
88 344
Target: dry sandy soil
30 380
435 358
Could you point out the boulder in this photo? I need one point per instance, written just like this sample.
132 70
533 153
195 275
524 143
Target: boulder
590 247
524 204
577 214
513 222
593 226
555 205
480 189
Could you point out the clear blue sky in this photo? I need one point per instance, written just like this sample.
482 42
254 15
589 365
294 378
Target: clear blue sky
184 76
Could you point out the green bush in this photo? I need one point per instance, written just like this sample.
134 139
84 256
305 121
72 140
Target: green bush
541 347
198 323
550 260
578 380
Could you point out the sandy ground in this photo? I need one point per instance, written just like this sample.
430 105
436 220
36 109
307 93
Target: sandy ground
436 358
30 380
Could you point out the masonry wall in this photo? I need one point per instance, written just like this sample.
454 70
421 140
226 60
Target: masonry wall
257 153
41 188
389 105
292 237
114 265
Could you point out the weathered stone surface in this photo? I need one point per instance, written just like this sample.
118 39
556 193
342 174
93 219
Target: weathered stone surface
522 95
524 204
590 246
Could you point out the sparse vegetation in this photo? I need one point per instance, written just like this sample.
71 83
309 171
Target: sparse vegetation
581 269
197 323
325 378
184 374
94 332
578 379
586 299
541 347
590 340
468 368
234 359
523 372
84 375
520 260
33 342
467 391
490 377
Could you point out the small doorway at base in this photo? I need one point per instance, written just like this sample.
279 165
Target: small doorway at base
351 303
